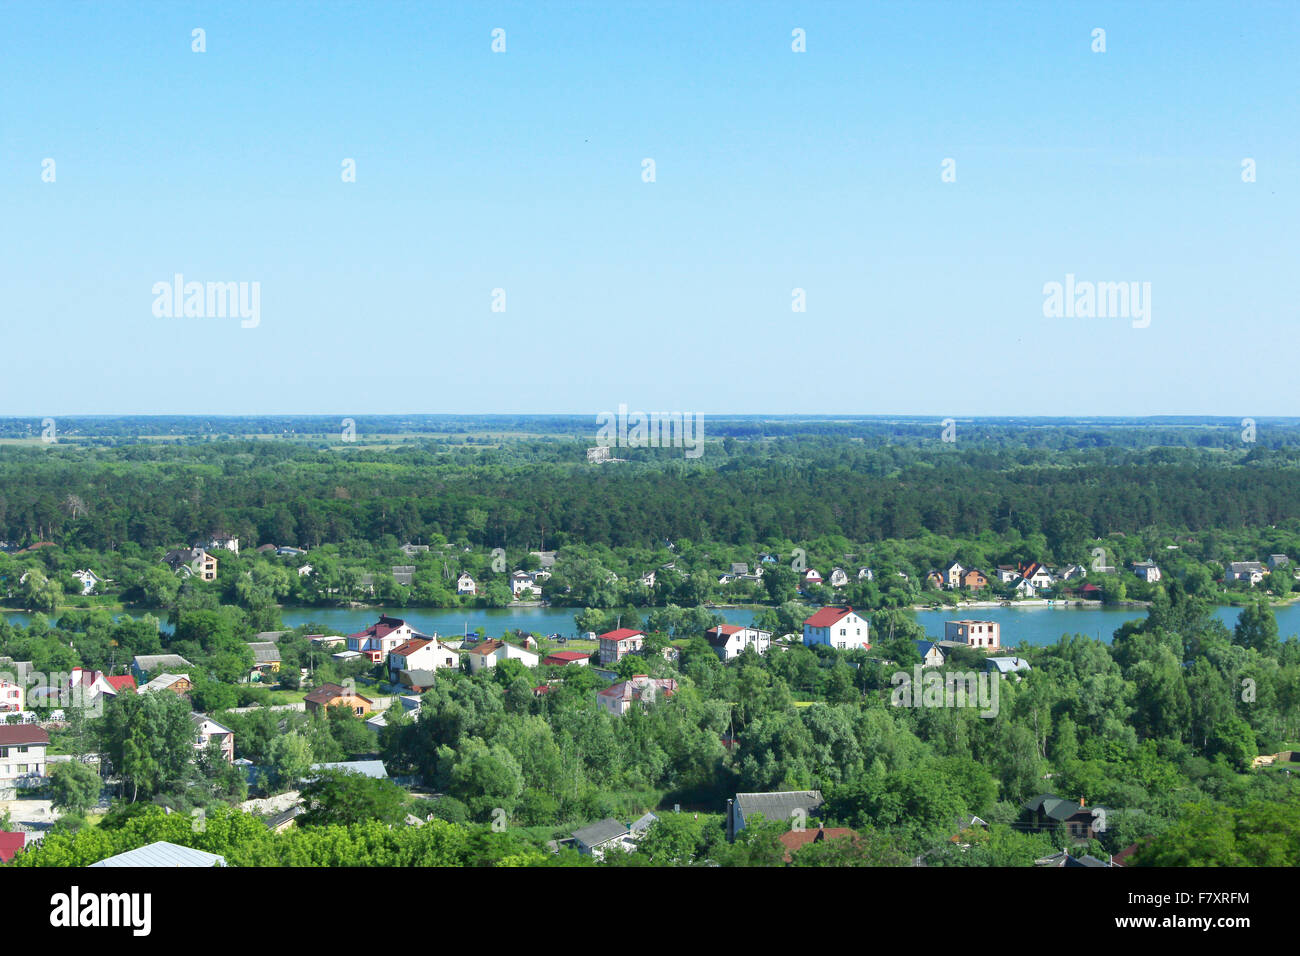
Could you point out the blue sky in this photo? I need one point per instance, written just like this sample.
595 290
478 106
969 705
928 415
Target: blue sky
774 170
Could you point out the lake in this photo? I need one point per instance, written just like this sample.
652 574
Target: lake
1033 625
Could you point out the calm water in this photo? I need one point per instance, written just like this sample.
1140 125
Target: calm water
1034 625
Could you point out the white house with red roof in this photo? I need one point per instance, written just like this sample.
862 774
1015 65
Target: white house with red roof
838 627
81 688
22 755
490 652
1038 576
567 658
379 639
617 644
421 654
640 689
729 640
810 577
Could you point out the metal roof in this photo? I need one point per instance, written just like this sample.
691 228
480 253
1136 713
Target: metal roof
370 768
778 806
601 832
164 854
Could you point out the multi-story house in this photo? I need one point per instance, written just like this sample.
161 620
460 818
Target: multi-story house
22 756
729 640
617 644
207 730
640 689
376 641
837 627
421 654
983 635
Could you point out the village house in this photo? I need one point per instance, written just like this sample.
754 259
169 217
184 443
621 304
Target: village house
598 838
404 574
1250 571
837 627
521 582
1048 812
795 840
729 640
567 658
421 653
192 562
143 665
979 634
207 730
176 683
376 641
974 579
326 696
163 854
932 655
490 652
266 658
13 695
617 644
791 807
839 578
80 688
465 584
640 689
1276 561
866 574
89 580
1147 571
951 576
810 577
219 541
1038 576
22 757
1006 665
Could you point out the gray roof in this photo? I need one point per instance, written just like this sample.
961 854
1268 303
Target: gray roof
371 768
778 806
163 854
643 823
277 820
602 832
1007 665
271 636
149 662
264 652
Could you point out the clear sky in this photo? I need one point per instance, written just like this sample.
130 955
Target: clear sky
774 170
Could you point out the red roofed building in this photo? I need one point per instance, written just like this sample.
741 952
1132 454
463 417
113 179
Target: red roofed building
122 683
565 658
22 755
10 844
837 627
618 700
380 638
730 640
420 654
615 645
794 840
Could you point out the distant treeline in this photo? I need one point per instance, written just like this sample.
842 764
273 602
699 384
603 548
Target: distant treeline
877 431
515 493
